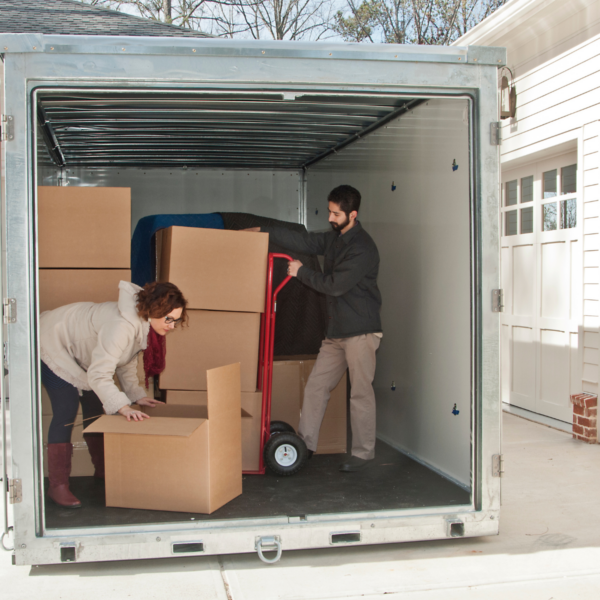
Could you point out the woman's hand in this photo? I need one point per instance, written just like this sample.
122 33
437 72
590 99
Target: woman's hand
132 414
151 402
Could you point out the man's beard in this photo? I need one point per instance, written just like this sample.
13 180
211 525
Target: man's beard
341 226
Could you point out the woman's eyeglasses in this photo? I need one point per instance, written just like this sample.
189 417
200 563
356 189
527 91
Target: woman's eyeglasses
169 320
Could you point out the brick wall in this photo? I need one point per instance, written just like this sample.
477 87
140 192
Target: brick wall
585 417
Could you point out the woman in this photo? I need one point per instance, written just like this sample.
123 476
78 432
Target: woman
83 345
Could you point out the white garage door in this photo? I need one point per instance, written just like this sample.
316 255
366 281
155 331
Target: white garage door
541 278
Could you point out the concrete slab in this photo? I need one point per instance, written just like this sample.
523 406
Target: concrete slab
548 548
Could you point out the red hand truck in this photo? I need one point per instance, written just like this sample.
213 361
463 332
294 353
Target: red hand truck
282 451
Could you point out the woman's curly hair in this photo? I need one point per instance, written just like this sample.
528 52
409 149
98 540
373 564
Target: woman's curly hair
157 299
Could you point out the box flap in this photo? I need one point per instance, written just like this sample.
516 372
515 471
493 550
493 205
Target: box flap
153 426
224 390
179 411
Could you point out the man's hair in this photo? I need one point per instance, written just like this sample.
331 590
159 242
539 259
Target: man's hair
346 197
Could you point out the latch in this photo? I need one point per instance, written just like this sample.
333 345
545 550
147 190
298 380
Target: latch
497 301
495 134
8 129
497 465
268 544
15 491
9 309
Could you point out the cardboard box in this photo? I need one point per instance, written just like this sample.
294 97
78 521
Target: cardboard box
216 269
59 287
84 227
184 458
289 381
213 339
81 461
251 414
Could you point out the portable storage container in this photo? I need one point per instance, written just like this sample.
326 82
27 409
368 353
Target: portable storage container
203 125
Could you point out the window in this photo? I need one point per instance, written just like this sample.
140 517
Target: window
549 184
527 220
568 177
549 216
511 192
527 189
510 226
568 213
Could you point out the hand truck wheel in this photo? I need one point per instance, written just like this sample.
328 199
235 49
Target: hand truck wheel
280 427
285 454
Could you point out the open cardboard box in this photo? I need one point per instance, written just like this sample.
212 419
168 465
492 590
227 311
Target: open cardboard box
251 419
184 458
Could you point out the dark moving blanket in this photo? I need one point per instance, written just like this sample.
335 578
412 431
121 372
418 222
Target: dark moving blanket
301 311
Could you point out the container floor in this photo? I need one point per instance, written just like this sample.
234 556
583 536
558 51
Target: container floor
392 481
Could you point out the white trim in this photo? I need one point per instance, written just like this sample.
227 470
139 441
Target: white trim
537 418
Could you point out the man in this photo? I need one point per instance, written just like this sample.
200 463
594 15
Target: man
354 327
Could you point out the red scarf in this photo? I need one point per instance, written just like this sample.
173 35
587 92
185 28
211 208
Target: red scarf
154 354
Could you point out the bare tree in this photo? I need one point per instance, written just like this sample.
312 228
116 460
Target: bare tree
432 22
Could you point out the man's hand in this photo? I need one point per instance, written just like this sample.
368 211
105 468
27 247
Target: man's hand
253 229
151 402
293 267
132 414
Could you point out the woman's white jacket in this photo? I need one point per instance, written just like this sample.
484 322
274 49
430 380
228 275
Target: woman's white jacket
86 344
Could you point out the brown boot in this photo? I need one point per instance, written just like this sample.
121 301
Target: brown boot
59 469
95 444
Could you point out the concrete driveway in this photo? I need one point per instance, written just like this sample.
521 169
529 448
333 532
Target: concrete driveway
548 549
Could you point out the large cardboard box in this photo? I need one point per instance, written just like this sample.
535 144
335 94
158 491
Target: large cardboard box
213 339
289 381
84 228
251 415
59 287
216 269
184 458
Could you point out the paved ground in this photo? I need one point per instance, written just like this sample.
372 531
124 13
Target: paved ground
548 549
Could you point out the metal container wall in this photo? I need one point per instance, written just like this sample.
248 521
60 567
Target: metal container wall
35 62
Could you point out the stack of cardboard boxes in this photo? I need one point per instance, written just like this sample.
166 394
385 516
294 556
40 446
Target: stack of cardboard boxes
84 242
223 276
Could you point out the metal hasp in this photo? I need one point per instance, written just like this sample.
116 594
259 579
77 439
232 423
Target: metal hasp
497 465
268 544
497 301
9 310
8 128
15 491
495 134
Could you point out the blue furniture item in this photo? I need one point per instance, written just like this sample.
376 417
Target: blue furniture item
142 259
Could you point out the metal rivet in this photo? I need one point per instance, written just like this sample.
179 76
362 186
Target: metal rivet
6 47
52 48
35 47
23 546
193 49
123 49
459 58
372 525
396 56
158 539
499 61
474 60
263 51
330 54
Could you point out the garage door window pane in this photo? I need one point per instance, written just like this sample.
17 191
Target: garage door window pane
568 176
549 217
527 189
510 227
549 181
527 220
568 214
511 193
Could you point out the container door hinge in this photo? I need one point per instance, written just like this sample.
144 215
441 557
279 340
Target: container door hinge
495 134
8 128
497 465
9 310
498 301
15 491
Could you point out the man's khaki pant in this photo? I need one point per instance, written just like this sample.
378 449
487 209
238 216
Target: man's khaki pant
358 355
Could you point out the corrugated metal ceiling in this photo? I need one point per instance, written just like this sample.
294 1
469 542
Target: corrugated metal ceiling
204 129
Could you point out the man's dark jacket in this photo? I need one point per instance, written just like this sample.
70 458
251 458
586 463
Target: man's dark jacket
349 279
